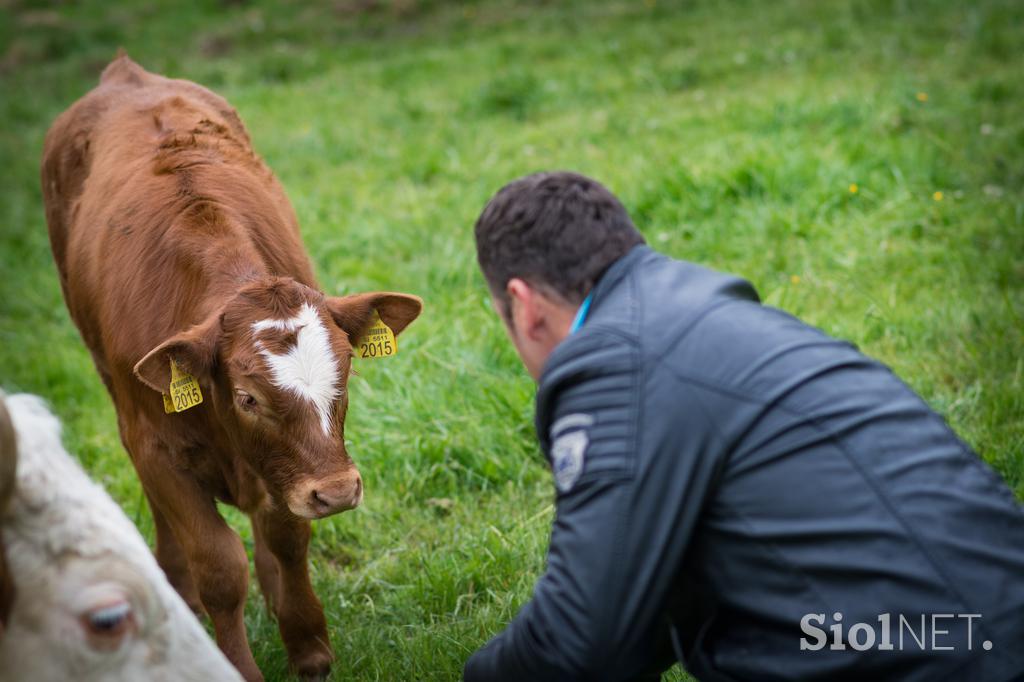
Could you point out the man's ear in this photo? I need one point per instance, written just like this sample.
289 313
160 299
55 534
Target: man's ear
523 310
354 313
195 351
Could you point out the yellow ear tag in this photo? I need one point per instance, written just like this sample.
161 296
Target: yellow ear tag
184 389
378 341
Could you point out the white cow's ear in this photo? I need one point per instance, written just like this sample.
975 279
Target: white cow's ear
8 464
354 313
8 455
194 350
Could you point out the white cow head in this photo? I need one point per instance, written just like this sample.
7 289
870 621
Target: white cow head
89 601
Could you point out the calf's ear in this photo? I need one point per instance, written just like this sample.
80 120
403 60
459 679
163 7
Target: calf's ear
8 464
194 350
354 313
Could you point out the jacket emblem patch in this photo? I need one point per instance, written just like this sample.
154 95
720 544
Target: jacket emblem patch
567 453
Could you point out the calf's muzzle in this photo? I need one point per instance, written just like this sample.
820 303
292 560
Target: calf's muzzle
315 498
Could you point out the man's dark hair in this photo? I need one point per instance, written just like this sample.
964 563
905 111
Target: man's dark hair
558 231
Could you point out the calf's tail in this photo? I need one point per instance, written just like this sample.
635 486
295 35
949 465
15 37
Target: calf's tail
123 70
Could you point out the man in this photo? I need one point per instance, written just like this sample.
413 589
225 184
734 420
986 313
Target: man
735 489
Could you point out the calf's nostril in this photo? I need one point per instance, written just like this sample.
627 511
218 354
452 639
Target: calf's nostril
331 497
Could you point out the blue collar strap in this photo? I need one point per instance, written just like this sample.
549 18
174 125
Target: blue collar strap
581 315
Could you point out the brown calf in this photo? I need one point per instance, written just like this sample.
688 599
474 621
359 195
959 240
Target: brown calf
176 244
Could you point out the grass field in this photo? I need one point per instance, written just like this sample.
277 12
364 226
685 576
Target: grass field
861 163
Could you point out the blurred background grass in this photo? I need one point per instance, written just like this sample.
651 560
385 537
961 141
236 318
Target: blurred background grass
861 163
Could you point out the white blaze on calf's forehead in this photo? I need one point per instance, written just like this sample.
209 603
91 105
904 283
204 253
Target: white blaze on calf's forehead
309 369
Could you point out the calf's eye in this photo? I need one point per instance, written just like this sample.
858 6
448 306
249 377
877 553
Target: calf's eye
246 401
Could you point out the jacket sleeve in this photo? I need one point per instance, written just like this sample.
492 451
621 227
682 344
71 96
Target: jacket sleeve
626 506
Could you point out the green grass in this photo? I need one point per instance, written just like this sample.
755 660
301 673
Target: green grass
733 133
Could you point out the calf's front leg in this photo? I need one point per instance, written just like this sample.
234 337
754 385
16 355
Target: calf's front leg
214 553
173 561
282 541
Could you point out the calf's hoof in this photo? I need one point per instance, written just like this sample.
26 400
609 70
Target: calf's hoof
314 664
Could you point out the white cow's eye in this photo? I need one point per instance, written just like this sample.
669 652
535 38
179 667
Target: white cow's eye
107 625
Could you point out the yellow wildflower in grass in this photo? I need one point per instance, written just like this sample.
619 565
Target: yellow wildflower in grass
795 279
854 188
937 196
922 96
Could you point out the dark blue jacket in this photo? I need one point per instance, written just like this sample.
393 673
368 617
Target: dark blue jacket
725 471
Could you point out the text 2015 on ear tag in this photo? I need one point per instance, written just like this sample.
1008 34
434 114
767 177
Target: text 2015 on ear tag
184 391
378 341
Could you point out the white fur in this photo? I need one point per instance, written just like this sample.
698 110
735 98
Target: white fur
70 549
309 369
